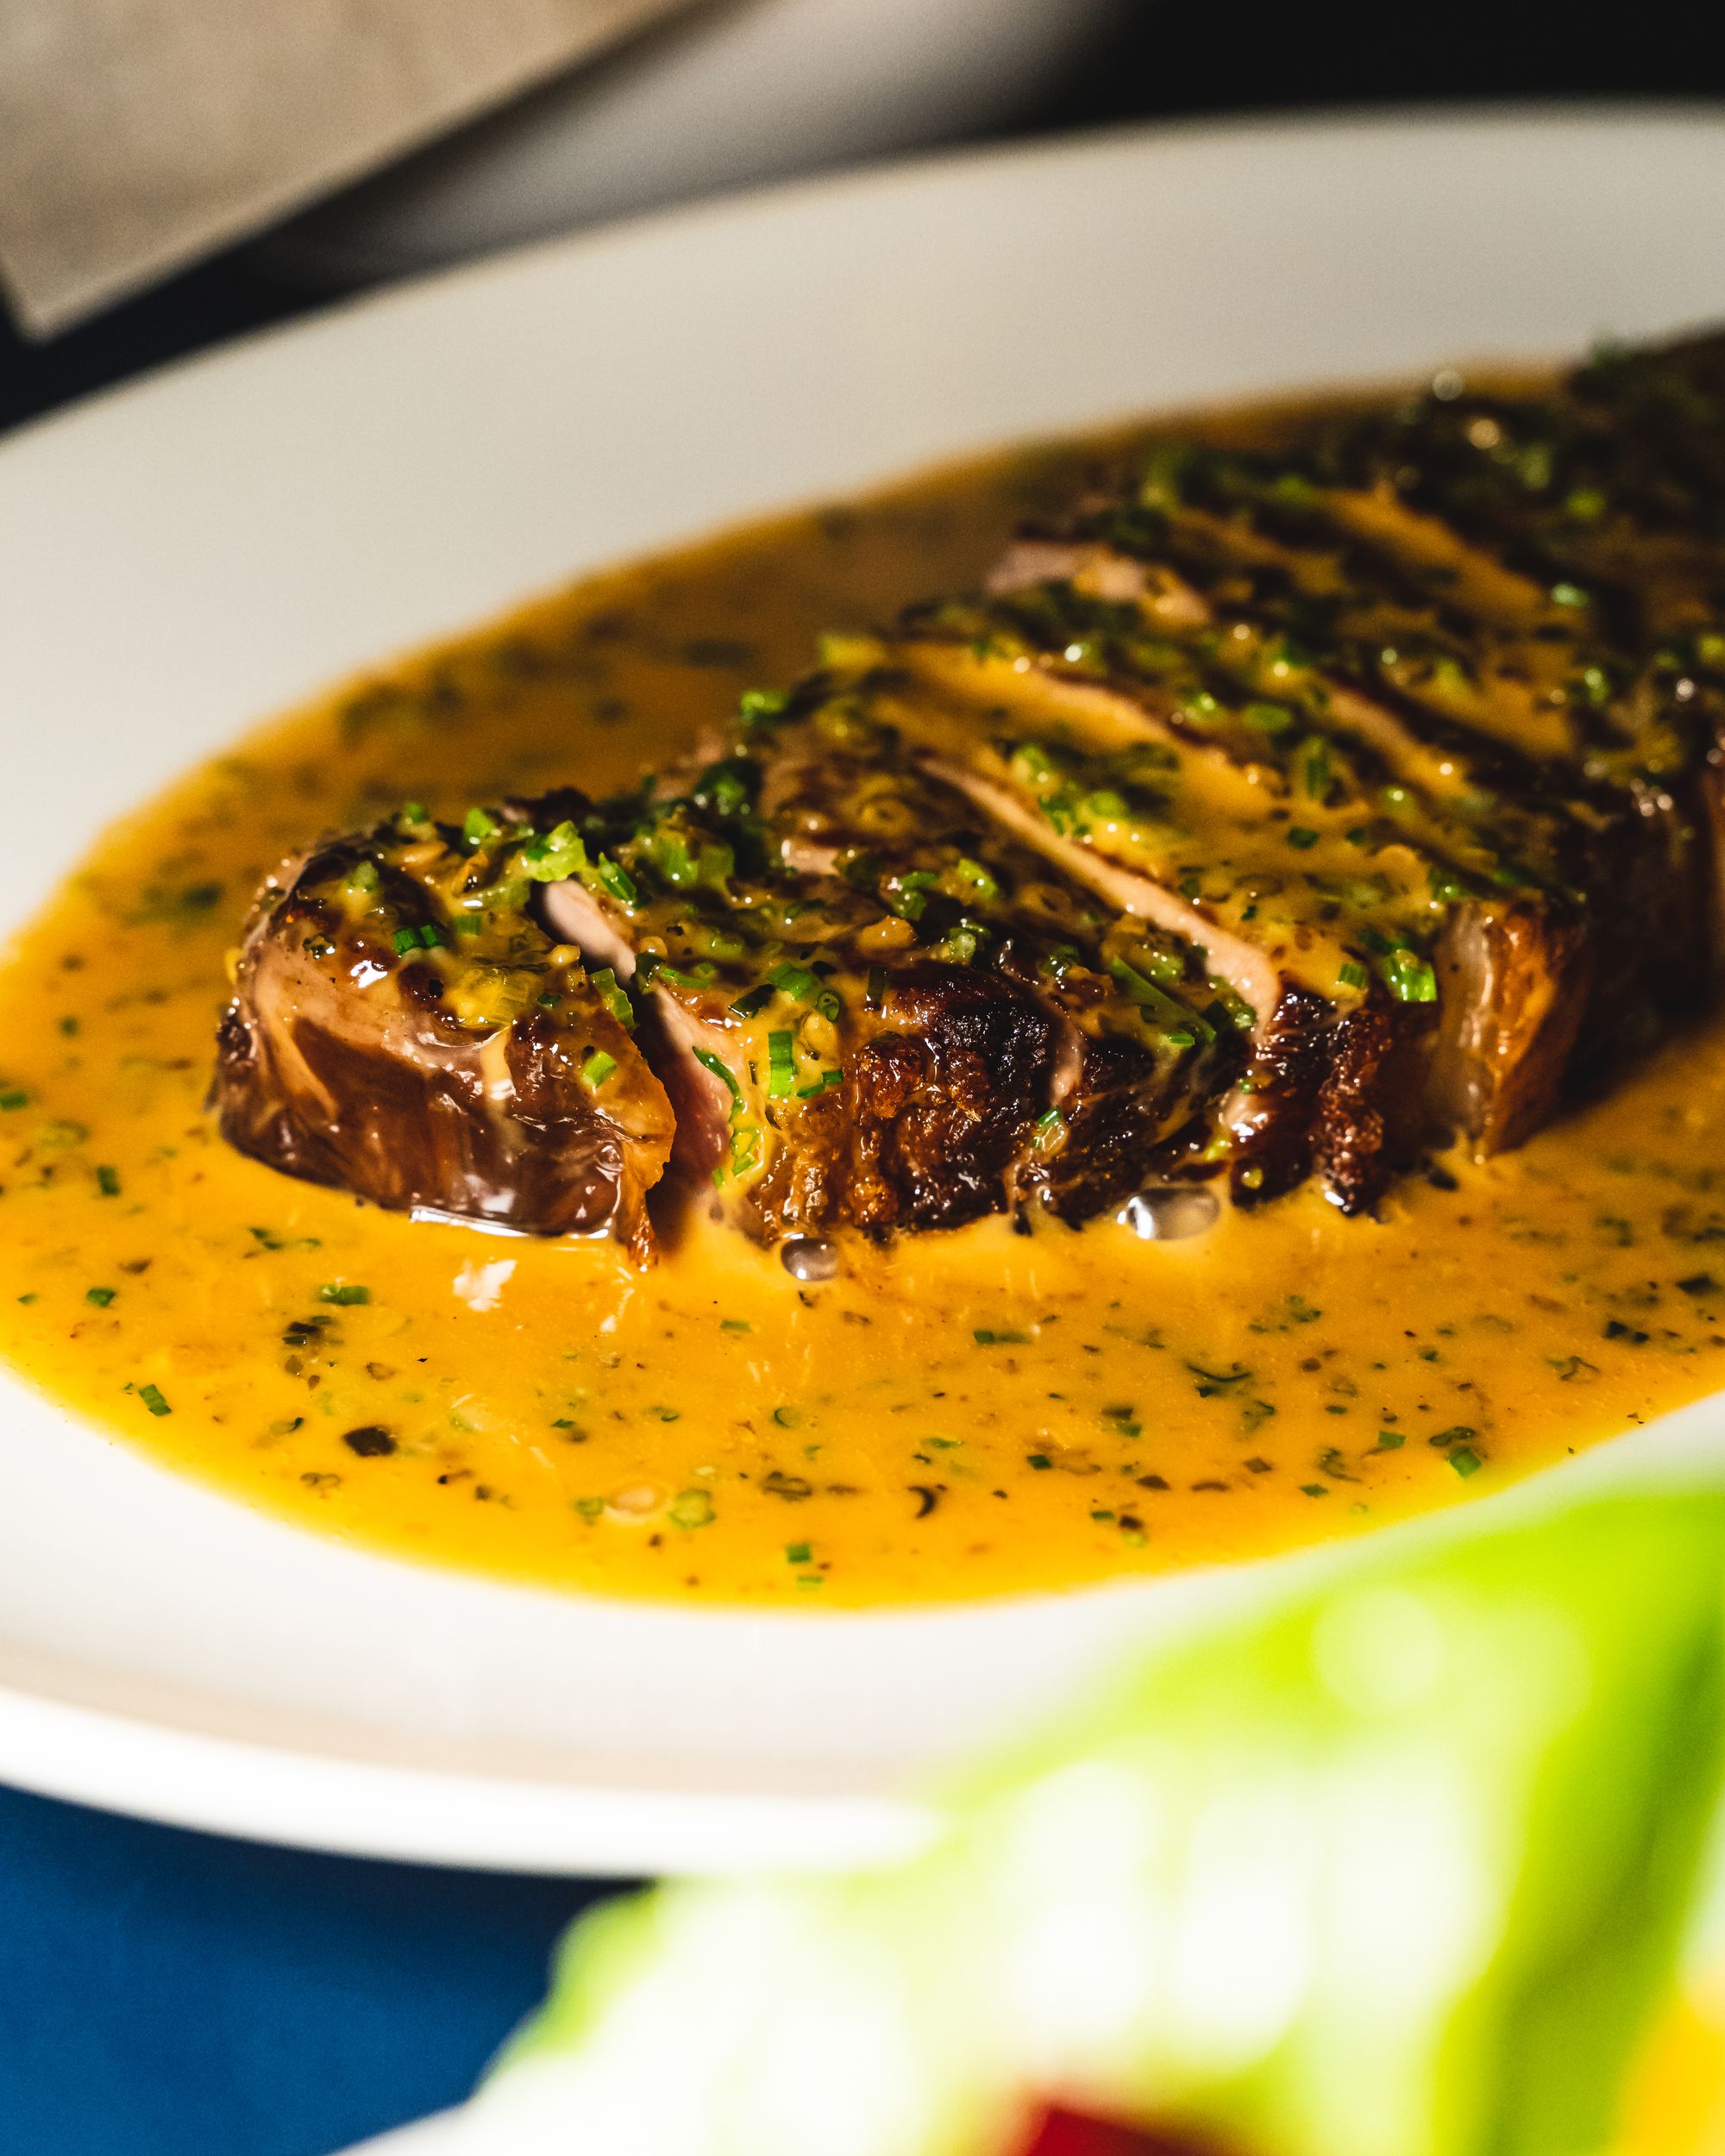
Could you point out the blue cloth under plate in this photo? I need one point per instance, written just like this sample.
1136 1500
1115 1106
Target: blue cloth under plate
164 1992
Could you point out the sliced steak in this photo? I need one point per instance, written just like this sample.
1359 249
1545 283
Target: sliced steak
887 1014
1285 811
402 1028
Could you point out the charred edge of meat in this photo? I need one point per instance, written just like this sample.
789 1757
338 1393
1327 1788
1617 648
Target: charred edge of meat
937 1106
1270 1120
1117 1133
371 1047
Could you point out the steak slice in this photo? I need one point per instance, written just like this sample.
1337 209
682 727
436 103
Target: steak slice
1446 673
402 1028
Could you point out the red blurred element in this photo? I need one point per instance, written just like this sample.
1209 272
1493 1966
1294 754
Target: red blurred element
1067 2134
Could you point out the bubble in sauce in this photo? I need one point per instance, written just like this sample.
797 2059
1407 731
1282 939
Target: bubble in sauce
809 1257
1170 1212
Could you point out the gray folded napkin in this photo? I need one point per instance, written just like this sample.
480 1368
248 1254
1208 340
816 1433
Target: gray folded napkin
136 135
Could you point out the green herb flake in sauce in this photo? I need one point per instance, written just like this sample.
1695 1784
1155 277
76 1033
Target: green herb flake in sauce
690 1508
342 1291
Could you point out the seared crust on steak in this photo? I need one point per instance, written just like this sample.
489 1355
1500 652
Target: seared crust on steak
372 1046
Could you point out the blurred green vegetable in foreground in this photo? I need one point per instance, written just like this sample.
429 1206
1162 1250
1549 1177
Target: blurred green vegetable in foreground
1394 1864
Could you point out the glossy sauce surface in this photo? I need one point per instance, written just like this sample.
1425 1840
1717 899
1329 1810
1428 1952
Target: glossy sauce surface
954 1415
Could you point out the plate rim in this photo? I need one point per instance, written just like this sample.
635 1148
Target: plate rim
177 1774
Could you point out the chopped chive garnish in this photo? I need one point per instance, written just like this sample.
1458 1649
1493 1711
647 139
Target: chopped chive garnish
477 827
797 981
1315 1489
1170 1015
985 1336
1354 975
1466 1461
781 1064
1390 1440
1568 595
597 1069
1408 978
1268 718
413 812
980 881
1315 769
690 1508
1038 1461
405 939
799 1552
877 987
100 1296
1300 837
754 1000
15 1097
735 1324
558 855
616 880
107 1181
615 999
151 1397
708 1060
343 1291
431 936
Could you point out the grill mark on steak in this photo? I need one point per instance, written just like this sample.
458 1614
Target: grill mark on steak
981 1052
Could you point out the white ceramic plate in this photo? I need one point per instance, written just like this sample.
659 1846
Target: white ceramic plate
179 558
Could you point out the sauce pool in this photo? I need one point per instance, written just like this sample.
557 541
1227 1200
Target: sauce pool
951 1416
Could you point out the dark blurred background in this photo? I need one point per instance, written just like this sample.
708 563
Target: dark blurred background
1159 62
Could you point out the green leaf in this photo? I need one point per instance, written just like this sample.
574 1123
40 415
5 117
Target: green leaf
1393 1860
